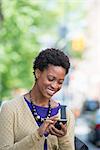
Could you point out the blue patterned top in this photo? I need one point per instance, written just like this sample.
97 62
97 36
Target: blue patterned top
42 111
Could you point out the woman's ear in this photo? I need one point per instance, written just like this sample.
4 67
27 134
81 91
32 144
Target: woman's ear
37 73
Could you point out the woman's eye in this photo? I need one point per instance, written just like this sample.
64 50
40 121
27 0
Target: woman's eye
50 79
61 82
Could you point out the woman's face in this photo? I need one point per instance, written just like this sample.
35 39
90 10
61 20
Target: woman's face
50 80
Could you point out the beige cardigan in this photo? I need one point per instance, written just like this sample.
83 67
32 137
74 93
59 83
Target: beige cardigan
18 129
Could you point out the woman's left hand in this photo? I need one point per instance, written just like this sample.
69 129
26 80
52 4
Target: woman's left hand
56 132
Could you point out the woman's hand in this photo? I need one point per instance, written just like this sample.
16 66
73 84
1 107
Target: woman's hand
56 132
45 126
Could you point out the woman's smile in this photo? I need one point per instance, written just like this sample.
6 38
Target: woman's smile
51 92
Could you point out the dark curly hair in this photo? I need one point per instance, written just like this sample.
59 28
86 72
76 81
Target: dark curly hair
51 56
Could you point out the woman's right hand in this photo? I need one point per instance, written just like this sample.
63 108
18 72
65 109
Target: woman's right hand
44 127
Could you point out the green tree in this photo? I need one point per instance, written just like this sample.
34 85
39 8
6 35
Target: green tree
22 24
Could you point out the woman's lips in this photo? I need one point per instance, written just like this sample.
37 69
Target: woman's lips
50 92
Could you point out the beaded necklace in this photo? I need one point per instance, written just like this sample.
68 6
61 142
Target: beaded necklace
36 116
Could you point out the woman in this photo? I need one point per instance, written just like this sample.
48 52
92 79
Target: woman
28 122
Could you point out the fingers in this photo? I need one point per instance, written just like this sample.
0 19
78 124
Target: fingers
54 118
44 127
48 120
48 126
56 132
63 127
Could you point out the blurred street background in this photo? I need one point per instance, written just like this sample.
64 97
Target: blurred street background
27 27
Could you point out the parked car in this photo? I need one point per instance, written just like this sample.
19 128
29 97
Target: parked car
90 106
94 135
91 112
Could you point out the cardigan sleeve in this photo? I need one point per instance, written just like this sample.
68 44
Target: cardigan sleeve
67 142
7 132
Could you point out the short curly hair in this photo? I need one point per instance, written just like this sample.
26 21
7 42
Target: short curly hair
51 56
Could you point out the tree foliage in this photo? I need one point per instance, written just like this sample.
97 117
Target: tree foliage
21 25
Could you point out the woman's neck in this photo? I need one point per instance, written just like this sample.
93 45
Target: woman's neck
37 98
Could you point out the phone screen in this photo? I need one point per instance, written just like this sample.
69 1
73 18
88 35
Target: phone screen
57 124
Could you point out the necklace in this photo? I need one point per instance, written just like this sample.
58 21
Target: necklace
35 114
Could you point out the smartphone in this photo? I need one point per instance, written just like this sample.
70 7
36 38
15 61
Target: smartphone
63 118
57 124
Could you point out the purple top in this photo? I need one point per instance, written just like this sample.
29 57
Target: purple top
42 111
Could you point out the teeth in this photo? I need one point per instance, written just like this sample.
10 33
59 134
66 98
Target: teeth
50 91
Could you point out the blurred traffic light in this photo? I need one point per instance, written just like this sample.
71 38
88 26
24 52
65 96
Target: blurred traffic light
78 44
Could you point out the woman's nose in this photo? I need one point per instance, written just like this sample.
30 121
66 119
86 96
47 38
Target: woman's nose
55 85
